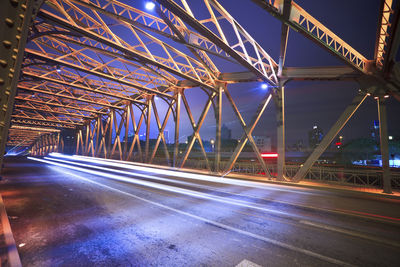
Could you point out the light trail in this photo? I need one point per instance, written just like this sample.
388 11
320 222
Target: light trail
155 185
196 194
215 179
176 173
218 224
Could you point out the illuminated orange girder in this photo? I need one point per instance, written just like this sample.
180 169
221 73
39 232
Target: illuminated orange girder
306 24
191 69
96 66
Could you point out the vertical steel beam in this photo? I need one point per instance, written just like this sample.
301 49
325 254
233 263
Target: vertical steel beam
218 119
148 121
280 127
58 143
127 118
328 138
384 144
110 133
287 6
178 96
86 146
15 18
77 142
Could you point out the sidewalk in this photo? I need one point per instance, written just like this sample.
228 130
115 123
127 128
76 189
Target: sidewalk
8 251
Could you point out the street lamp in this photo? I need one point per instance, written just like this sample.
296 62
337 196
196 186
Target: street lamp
212 141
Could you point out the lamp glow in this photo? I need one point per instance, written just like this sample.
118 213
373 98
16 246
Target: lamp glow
264 86
150 5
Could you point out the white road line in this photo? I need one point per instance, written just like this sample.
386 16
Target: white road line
247 263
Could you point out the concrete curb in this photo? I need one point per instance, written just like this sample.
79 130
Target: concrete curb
12 251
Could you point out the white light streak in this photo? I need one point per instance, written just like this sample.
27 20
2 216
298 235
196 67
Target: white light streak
181 174
168 188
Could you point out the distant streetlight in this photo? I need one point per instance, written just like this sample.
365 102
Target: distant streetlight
150 5
212 141
390 137
264 86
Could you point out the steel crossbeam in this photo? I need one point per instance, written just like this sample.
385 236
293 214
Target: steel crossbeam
303 22
246 51
190 70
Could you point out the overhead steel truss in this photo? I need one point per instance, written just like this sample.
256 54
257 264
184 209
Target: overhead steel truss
104 68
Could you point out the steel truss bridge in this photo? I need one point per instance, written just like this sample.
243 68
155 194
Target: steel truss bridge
96 67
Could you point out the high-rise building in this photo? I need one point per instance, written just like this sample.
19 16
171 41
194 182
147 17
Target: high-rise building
263 143
315 136
226 133
375 131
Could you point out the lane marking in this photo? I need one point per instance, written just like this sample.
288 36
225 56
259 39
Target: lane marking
247 263
221 225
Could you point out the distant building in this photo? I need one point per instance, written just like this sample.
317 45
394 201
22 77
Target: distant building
298 146
375 131
226 133
315 136
166 136
263 143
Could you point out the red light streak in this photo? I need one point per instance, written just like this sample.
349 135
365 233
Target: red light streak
269 155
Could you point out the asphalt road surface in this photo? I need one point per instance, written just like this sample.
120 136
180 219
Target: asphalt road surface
73 211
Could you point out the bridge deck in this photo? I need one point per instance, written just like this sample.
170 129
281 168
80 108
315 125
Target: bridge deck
65 216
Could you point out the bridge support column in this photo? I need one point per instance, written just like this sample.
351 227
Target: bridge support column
110 133
148 121
15 17
177 118
384 145
218 119
280 120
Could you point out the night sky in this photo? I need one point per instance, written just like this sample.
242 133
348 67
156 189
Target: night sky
307 102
